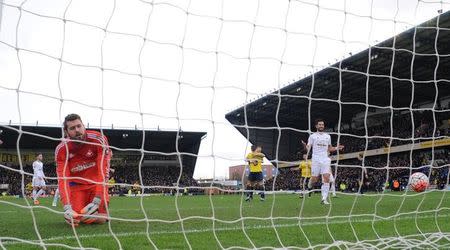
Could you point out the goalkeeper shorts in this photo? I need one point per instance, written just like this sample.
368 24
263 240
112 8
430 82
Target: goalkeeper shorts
79 198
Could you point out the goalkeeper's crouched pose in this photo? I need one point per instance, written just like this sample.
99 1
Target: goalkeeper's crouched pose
82 161
86 206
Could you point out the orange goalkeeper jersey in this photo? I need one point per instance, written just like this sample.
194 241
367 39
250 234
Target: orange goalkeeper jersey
80 164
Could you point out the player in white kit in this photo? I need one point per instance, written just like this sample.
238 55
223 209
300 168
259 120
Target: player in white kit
38 179
320 143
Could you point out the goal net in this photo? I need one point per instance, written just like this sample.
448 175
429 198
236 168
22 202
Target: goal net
183 88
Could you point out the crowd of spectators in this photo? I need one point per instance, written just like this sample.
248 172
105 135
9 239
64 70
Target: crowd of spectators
13 177
163 179
380 174
125 176
155 179
287 179
404 130
380 170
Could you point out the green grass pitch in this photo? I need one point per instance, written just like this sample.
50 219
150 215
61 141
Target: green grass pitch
392 220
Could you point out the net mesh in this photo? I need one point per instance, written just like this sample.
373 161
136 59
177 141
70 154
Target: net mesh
182 65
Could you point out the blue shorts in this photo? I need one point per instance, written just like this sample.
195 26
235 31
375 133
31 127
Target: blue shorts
255 176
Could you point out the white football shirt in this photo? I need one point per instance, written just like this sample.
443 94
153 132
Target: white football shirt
319 143
38 169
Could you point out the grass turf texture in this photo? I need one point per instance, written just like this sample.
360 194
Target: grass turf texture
282 220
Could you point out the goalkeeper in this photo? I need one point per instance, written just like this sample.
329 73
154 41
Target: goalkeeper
82 166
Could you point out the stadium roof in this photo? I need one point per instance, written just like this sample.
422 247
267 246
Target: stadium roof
155 141
412 68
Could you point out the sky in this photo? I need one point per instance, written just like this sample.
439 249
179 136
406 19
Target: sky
181 64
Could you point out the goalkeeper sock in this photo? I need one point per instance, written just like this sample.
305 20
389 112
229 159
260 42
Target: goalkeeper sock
33 195
325 189
310 184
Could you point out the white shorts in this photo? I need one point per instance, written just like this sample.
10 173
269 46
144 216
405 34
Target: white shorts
38 182
320 166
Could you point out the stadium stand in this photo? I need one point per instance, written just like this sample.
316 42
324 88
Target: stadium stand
366 111
159 167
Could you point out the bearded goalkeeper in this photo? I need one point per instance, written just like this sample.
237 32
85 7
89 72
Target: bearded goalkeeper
82 166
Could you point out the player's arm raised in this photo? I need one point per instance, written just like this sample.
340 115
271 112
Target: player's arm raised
308 145
333 149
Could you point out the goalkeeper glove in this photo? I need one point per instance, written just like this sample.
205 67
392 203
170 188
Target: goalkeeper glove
92 207
89 219
71 217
